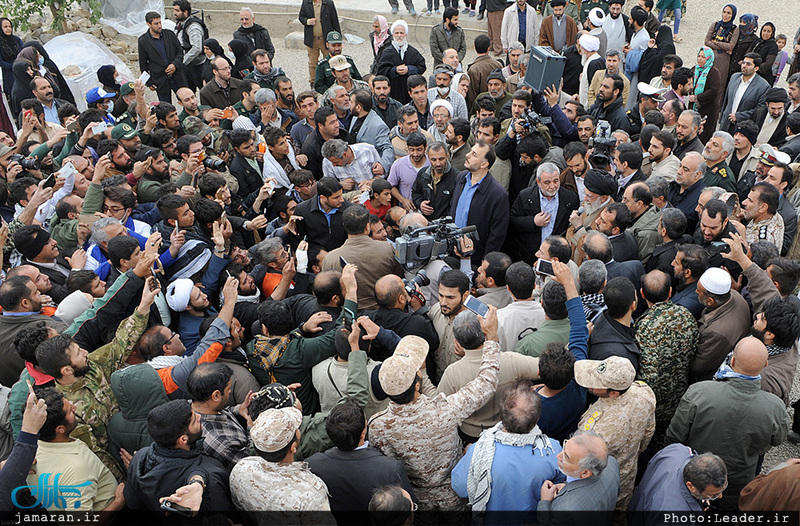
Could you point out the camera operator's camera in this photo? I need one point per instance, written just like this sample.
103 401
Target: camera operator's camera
414 249
214 164
27 163
420 279
602 144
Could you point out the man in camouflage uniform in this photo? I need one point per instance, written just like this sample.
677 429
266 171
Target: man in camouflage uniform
422 432
667 336
624 414
761 209
278 484
85 381
324 78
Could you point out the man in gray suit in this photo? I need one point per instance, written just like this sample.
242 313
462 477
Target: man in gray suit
593 496
367 126
746 92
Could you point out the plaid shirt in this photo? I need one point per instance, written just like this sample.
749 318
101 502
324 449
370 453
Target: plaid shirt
224 438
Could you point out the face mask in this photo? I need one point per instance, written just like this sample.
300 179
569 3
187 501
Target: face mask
110 106
443 90
231 56
41 61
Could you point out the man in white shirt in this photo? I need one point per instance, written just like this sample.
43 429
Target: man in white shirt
524 315
746 91
351 164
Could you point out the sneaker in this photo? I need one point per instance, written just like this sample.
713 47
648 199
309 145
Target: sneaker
412 12
437 11
471 12
465 11
394 10
429 13
480 16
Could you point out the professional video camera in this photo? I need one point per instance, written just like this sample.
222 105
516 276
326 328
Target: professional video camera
602 144
414 249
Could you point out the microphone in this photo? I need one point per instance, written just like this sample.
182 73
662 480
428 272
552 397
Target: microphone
581 210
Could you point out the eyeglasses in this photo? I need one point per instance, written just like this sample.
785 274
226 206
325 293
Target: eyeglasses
113 209
170 338
305 185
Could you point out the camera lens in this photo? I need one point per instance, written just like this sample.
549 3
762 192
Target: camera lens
214 164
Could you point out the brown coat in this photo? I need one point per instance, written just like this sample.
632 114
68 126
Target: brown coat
778 375
478 73
546 37
720 330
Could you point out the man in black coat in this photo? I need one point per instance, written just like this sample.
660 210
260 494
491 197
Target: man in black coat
256 36
613 334
353 470
479 200
613 221
772 132
327 127
328 21
322 217
161 55
530 223
398 312
434 200
249 178
174 460
598 246
399 61
608 106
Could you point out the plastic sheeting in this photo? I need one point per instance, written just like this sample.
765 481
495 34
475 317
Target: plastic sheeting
128 17
79 56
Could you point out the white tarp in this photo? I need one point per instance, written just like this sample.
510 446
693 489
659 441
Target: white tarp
87 54
128 17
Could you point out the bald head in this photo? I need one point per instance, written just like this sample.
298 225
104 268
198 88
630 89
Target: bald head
598 246
656 286
328 288
389 292
749 356
412 219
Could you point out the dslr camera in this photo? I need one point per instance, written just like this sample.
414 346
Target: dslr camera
602 144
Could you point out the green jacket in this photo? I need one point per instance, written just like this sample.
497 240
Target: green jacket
138 389
645 231
588 5
550 331
16 401
294 364
92 395
313 436
722 176
147 190
93 202
324 79
65 232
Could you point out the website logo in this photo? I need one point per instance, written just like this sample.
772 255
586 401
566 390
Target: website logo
49 495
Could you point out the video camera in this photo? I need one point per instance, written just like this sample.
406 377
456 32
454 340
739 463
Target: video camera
533 119
414 249
602 144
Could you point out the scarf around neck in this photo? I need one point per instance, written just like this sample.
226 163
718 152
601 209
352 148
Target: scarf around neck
381 37
701 73
726 27
479 478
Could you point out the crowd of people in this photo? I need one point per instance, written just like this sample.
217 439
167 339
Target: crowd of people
426 287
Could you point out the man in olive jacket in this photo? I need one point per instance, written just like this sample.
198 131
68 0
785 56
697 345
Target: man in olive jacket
732 417
441 41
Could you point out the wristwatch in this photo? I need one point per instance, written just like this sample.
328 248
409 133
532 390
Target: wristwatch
198 480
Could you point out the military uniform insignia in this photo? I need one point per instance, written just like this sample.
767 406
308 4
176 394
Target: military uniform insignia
641 383
592 420
762 232
723 172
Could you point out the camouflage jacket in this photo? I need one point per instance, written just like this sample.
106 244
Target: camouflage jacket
423 434
92 395
768 230
626 424
667 336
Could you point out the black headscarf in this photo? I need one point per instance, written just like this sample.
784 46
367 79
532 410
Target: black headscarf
106 77
10 45
243 64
